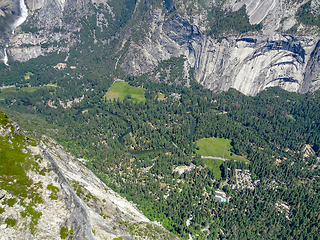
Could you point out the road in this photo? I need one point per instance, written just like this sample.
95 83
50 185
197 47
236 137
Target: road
218 158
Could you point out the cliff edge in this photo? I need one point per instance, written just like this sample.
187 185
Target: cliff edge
46 192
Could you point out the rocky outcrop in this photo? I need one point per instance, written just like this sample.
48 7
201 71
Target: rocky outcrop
253 64
249 62
59 197
51 26
312 73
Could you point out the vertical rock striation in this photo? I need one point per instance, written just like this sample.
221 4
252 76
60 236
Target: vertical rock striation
58 197
18 17
248 62
311 81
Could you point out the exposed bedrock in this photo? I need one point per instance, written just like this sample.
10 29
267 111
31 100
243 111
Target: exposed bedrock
248 63
42 26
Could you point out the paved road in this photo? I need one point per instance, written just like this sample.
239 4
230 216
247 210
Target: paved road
218 158
175 145
11 86
51 85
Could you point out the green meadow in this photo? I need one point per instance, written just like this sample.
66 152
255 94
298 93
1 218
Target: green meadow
161 96
217 147
122 89
28 74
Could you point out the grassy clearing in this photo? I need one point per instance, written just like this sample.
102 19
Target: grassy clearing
27 75
161 96
6 92
214 164
217 147
122 89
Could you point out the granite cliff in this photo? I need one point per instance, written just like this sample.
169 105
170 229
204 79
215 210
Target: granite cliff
249 62
283 52
47 193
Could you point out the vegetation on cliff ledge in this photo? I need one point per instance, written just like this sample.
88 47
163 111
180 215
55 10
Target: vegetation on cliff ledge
15 163
221 21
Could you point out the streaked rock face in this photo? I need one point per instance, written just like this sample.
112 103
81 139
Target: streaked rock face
252 64
257 10
249 63
44 16
69 196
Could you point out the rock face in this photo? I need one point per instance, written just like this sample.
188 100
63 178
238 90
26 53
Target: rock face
252 64
53 23
64 199
249 62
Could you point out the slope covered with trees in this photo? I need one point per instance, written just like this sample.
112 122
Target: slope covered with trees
146 150
270 130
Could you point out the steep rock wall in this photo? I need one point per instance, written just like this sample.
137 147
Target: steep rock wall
54 23
62 194
249 62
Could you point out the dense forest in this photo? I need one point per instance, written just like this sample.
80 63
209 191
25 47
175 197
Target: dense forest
136 147
270 130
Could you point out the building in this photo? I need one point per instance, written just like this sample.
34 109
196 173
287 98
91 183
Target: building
308 151
60 66
283 207
221 196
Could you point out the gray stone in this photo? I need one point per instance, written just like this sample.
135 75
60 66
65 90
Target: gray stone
2 193
3 226
248 62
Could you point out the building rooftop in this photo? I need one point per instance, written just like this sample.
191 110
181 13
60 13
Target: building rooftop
221 196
